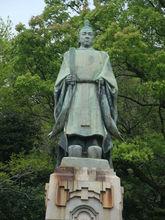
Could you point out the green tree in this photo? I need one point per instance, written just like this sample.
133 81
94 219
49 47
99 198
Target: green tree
22 183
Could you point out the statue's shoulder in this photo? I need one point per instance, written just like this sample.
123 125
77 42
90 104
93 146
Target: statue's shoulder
102 53
66 53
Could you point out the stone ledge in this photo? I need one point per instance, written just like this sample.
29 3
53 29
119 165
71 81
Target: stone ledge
89 163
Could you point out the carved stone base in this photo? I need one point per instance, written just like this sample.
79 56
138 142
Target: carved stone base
84 189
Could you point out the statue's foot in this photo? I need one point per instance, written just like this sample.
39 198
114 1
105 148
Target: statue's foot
94 152
75 151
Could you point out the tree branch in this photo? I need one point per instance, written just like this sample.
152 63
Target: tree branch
137 102
70 6
162 122
138 72
161 4
126 75
150 2
144 178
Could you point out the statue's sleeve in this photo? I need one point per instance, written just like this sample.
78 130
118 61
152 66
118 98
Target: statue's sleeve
64 70
110 84
60 86
107 72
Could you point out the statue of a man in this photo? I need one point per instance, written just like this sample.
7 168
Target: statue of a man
85 101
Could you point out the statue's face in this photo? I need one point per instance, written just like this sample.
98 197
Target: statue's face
86 37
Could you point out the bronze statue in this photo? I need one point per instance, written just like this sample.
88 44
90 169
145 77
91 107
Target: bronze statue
85 101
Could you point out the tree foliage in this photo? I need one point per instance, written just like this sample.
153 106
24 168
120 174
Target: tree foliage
22 182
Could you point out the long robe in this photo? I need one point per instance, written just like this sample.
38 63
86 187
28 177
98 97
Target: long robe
84 116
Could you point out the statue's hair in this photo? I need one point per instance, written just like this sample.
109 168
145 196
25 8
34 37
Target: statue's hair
87 25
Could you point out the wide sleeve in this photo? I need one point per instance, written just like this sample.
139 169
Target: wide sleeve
107 72
111 87
64 70
60 86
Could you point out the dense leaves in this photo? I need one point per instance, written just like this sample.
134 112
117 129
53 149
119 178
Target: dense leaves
22 182
133 34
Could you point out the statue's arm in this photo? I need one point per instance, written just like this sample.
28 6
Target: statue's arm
64 71
108 84
60 86
106 72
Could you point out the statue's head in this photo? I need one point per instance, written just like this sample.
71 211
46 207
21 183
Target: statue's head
86 35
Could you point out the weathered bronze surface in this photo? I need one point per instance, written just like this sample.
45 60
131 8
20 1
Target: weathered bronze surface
85 99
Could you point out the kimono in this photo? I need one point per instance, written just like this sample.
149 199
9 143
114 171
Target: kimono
86 107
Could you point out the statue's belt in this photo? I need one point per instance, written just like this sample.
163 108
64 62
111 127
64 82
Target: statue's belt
86 81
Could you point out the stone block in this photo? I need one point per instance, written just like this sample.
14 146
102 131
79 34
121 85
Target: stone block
84 192
85 162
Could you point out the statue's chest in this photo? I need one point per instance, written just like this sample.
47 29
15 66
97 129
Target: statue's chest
87 64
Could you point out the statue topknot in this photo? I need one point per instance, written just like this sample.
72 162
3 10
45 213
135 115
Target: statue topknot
87 25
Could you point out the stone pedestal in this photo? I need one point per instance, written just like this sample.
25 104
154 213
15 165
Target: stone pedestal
84 189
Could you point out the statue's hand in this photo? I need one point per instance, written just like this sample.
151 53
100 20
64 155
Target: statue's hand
100 81
70 79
